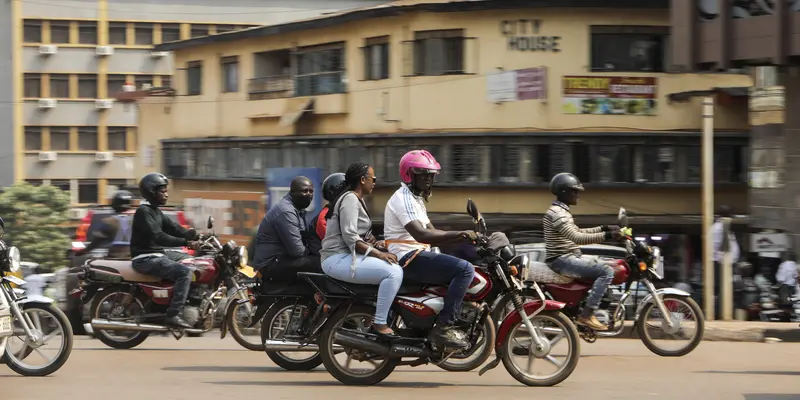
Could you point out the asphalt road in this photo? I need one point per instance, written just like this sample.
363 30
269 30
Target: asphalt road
209 368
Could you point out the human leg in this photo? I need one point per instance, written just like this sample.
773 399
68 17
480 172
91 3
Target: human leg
286 269
588 268
179 274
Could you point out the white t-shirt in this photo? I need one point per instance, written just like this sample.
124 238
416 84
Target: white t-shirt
787 273
402 208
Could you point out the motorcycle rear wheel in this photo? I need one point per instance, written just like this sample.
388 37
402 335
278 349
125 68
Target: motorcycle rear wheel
484 351
106 336
278 357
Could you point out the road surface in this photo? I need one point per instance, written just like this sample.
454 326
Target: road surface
209 368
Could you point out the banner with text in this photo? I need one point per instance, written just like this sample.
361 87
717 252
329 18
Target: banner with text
609 95
521 84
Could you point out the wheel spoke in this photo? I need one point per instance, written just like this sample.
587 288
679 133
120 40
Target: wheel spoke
553 361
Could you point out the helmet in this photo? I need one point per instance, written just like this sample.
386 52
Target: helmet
150 183
417 162
563 182
121 201
331 185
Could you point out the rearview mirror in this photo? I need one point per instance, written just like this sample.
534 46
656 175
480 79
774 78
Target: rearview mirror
472 210
210 223
622 217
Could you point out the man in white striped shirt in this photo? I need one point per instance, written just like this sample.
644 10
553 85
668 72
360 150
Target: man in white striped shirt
563 238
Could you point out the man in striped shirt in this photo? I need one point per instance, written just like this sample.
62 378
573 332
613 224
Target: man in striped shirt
562 238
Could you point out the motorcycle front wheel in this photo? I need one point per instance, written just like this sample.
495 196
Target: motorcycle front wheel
476 356
46 323
555 329
685 312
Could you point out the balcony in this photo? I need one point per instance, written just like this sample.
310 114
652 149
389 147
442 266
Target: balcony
270 87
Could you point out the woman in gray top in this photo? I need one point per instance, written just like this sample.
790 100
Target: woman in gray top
349 251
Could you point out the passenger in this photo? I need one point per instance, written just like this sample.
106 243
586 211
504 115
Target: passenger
330 186
114 232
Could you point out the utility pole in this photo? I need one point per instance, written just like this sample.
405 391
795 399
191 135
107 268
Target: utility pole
708 206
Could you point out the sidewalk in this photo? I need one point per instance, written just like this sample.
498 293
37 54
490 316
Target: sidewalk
739 331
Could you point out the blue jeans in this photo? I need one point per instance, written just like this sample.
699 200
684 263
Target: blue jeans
167 267
588 268
369 271
441 269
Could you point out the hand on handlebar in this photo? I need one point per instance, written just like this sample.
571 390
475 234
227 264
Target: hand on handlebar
617 235
194 244
470 236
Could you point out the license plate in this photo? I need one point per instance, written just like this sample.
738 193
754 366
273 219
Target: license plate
5 326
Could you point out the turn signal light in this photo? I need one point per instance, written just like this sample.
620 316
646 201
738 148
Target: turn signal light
642 266
514 270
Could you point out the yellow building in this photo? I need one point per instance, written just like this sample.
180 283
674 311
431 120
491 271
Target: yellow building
503 97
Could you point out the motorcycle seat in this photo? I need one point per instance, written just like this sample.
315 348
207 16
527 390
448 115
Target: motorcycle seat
123 269
542 273
336 287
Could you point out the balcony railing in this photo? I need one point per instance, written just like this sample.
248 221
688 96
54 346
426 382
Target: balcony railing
270 87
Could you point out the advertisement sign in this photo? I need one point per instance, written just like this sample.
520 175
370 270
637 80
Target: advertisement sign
279 179
609 95
769 242
522 84
235 214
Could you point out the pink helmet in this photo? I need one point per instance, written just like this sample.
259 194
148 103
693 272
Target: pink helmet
417 162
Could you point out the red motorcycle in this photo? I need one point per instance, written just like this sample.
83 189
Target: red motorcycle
127 306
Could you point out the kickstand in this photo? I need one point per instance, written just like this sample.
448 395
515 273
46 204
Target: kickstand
491 365
177 333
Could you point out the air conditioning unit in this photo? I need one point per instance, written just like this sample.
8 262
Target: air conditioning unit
103 156
77 213
48 49
104 50
47 156
103 104
47 103
146 86
159 54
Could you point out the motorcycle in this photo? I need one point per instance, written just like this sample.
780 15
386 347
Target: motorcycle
643 264
34 321
126 305
413 314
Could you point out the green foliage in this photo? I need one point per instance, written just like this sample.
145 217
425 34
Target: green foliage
32 216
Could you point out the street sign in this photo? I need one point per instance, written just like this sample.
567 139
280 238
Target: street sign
768 242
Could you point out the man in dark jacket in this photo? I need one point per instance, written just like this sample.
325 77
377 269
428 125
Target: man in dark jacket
152 233
282 249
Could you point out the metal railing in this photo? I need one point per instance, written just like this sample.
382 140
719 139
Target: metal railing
271 86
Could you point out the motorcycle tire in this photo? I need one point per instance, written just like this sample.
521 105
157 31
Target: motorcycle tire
572 336
641 328
66 348
230 320
484 351
276 356
100 334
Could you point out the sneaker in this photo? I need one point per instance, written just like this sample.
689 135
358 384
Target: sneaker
448 336
592 323
178 322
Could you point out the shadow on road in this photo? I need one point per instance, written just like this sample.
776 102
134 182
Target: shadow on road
218 368
764 396
409 385
147 349
786 373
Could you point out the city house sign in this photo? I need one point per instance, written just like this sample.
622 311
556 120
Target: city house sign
523 35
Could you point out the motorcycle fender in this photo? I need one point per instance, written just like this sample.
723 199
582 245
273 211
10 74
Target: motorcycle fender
228 310
36 299
659 292
514 317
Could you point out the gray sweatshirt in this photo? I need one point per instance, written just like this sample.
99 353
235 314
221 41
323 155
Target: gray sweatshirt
347 226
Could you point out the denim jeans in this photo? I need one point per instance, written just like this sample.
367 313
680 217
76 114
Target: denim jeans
369 271
588 268
168 267
441 269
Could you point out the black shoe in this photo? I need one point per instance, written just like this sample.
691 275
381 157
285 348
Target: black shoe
448 336
177 322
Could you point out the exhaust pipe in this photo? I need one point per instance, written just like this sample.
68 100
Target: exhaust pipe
394 351
109 325
280 345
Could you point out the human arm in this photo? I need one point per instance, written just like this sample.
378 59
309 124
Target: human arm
104 234
173 228
149 220
421 233
565 225
350 209
289 233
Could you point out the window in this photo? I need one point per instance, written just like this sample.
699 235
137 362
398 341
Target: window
439 52
729 164
143 34
613 164
117 33
170 32
629 48
320 70
59 86
141 80
59 138
507 161
114 83
225 28
117 138
33 86
199 30
87 192
32 31
61 184
34 182
114 185
87 138
166 81
59 32
33 138
87 32
194 78
87 86
466 162
376 58
230 74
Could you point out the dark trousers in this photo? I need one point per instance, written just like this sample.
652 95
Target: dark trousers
168 267
285 269
441 269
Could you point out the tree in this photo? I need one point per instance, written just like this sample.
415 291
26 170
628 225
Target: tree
33 217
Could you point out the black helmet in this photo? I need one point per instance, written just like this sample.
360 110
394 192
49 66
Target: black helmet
121 201
563 182
150 183
331 185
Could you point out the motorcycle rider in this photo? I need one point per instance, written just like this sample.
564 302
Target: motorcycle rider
152 232
562 238
114 231
282 245
409 234
331 187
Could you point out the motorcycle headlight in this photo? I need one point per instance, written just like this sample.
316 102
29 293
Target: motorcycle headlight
14 259
658 263
242 256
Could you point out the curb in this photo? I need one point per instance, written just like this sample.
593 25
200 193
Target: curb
749 334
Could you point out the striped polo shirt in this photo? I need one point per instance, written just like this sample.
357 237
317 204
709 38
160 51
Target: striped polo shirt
562 236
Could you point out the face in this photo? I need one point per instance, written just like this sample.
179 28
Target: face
424 182
571 196
303 195
368 181
162 195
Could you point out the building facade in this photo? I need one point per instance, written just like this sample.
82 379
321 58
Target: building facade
505 94
67 58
